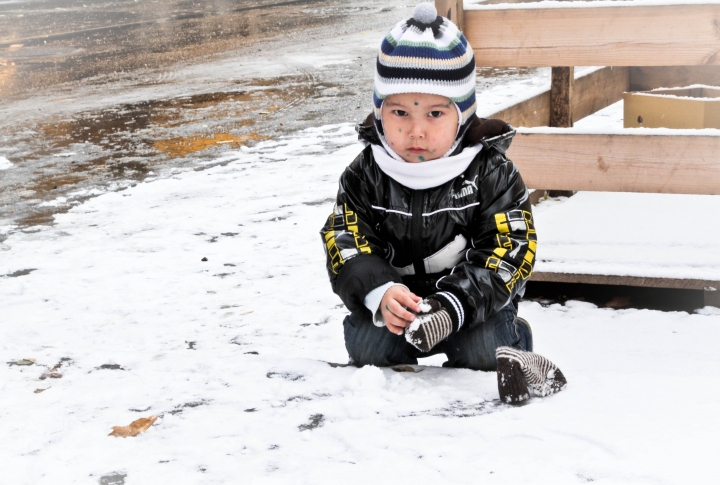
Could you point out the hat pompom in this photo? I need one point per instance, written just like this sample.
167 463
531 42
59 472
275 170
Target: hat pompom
425 13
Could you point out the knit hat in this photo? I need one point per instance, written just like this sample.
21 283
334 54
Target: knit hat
426 54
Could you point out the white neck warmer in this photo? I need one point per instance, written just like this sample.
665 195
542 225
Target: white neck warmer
423 175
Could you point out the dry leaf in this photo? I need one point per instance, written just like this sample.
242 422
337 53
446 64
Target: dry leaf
50 375
54 372
135 428
405 368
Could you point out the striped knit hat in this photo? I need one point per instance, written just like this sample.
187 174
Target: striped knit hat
426 54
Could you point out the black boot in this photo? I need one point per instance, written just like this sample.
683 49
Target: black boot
511 382
519 371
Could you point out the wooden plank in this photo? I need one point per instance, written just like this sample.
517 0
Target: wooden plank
591 93
451 9
647 78
712 298
561 92
532 112
669 164
599 90
658 35
594 279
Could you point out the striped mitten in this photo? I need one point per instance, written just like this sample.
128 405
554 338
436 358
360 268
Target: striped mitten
518 371
432 325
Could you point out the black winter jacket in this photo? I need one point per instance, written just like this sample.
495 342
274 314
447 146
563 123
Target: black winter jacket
472 236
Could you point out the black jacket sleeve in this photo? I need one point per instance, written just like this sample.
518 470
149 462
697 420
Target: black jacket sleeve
355 256
503 249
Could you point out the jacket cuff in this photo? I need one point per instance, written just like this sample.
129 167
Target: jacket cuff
373 299
359 276
454 307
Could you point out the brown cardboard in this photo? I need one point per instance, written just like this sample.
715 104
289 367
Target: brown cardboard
693 107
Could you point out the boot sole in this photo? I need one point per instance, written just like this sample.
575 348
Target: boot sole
511 381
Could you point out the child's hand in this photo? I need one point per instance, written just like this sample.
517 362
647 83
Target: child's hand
394 308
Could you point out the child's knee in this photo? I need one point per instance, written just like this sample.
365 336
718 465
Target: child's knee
367 344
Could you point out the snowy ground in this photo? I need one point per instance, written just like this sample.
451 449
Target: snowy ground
230 353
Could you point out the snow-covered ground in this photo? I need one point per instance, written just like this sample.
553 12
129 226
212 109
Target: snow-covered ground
231 353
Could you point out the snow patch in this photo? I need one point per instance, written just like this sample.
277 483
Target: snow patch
5 164
60 201
708 311
86 193
367 379
334 62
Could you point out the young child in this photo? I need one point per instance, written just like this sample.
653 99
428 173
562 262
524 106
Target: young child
432 239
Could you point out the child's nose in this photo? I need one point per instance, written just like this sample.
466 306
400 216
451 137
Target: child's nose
417 130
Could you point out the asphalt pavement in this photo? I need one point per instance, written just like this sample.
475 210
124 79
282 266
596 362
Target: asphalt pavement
97 95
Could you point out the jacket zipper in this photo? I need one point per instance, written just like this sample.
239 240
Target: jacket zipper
416 232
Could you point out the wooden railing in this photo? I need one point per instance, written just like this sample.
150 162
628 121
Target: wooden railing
644 47
641 35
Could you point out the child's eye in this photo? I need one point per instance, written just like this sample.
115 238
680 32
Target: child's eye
400 112
435 114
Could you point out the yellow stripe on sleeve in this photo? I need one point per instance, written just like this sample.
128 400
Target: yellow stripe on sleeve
499 252
501 222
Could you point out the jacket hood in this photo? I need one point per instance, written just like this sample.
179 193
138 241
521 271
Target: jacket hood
492 133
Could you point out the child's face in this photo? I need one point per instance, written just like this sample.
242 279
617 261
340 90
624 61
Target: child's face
419 127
